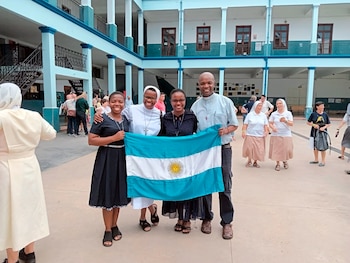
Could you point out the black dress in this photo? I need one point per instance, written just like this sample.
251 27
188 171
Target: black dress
183 125
108 184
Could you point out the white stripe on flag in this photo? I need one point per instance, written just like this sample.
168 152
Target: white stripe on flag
174 168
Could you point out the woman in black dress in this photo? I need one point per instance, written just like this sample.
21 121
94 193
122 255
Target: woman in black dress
180 122
108 185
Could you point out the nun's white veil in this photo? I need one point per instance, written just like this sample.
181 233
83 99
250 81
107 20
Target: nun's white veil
10 96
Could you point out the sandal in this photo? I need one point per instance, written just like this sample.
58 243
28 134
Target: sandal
154 216
116 234
107 240
178 226
341 157
255 164
145 225
277 167
248 164
285 165
186 227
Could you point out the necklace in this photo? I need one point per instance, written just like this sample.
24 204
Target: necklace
121 128
147 122
178 126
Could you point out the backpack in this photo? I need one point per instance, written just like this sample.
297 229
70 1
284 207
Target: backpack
322 140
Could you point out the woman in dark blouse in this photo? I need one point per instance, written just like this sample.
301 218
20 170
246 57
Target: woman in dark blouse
180 122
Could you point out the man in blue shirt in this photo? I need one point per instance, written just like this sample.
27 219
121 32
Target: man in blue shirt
212 109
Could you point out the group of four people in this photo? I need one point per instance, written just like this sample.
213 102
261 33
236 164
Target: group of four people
108 187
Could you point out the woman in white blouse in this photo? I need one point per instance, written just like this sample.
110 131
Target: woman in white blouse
254 131
281 143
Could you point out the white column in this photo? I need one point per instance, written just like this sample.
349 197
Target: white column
128 18
223 25
86 3
110 12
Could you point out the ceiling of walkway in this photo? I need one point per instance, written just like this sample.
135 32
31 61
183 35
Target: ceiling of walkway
26 32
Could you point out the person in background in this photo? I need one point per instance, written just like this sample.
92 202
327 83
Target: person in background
345 143
281 142
267 107
160 103
69 107
254 132
180 122
82 109
23 215
212 109
128 102
318 120
104 108
108 184
245 109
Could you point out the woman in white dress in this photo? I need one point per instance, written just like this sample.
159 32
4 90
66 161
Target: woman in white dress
23 216
281 143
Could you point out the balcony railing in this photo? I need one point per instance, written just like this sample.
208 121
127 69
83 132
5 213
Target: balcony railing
69 59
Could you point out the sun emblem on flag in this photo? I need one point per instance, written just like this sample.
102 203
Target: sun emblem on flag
175 168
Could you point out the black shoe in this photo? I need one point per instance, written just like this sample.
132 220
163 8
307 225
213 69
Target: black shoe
27 258
5 261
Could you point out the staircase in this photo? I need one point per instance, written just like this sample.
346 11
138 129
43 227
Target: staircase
25 73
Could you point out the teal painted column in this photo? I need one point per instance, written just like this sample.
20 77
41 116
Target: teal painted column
87 83
223 32
140 46
180 48
221 80
267 46
265 81
140 84
309 92
111 26
128 79
50 110
112 32
313 44
111 74
87 15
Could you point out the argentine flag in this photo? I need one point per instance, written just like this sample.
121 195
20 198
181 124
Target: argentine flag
174 168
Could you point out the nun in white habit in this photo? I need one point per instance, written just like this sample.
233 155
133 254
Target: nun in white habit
23 216
145 119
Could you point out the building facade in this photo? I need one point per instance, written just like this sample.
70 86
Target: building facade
297 50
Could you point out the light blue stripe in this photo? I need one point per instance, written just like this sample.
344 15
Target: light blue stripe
202 184
171 147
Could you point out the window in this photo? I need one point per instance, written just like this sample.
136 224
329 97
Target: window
243 36
66 9
203 38
324 38
168 41
280 36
